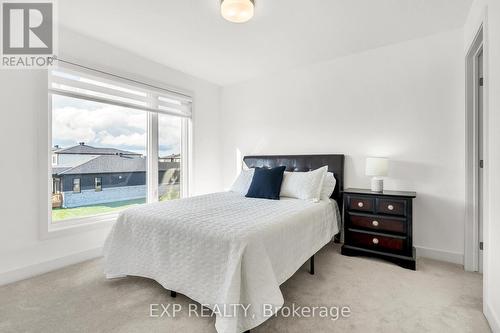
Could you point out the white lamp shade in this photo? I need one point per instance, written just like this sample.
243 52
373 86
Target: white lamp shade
377 166
237 11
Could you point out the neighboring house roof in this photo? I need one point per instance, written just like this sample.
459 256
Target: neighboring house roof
171 156
58 170
83 149
113 164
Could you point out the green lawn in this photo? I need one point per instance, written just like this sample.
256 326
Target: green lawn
59 214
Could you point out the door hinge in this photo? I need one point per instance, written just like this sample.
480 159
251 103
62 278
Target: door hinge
481 245
481 82
481 164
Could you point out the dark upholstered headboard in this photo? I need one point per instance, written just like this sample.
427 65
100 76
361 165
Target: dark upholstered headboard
334 162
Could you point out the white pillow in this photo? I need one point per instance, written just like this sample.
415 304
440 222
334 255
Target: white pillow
328 186
242 183
303 185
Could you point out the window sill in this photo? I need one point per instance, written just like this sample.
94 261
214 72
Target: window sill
77 226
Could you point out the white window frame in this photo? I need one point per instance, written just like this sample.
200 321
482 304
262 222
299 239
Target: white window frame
49 229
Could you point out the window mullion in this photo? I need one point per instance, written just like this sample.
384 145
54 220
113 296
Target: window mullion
152 153
185 158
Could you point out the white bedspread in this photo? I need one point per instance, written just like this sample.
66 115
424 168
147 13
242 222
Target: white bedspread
221 248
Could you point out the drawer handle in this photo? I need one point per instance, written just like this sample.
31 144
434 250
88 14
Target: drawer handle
375 241
390 207
360 204
375 223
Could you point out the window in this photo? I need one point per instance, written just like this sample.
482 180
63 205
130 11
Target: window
98 184
131 136
169 157
76 185
56 186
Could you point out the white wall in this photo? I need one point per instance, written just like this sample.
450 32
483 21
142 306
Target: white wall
404 101
488 11
23 97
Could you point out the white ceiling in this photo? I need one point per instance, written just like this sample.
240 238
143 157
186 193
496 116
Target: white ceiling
191 36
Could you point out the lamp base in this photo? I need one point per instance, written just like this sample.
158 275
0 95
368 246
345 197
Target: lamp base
377 185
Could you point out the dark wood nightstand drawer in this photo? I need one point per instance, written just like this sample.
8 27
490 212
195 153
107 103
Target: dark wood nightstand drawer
391 206
378 223
377 242
362 204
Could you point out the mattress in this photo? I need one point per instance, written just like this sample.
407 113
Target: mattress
221 249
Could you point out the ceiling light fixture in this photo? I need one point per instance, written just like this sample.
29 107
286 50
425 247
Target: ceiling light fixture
237 11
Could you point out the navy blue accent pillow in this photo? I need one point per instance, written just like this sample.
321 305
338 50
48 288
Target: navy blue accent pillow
266 183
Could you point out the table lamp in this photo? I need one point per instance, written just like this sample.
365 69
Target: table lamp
377 167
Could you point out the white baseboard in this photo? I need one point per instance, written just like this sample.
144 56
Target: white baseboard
448 256
47 266
492 319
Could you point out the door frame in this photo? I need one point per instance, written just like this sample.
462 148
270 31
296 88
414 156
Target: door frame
471 248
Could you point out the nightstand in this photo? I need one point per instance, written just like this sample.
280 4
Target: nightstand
379 225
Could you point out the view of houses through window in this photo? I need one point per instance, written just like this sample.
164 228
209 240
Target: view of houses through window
169 147
99 162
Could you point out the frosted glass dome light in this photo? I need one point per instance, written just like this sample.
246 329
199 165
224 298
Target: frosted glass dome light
237 11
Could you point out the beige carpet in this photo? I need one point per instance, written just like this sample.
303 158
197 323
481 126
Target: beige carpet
438 297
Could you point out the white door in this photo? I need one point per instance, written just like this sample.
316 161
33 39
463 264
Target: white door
480 149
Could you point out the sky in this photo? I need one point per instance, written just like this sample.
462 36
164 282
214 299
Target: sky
102 125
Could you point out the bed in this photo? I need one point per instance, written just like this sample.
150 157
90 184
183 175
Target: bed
224 249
